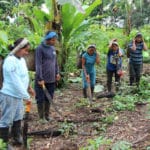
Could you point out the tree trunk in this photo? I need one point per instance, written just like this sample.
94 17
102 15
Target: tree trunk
30 60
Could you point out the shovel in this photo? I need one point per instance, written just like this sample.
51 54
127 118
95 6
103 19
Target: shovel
89 93
25 126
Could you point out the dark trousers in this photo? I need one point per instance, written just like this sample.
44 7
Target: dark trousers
109 79
40 96
135 73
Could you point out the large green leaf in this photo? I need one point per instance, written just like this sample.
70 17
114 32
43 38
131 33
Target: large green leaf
4 2
68 15
50 6
81 17
40 15
72 19
75 3
3 37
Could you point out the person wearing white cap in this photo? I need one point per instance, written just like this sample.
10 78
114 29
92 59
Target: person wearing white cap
89 58
114 63
135 48
14 90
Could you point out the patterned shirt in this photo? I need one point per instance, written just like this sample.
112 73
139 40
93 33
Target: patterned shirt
136 55
114 61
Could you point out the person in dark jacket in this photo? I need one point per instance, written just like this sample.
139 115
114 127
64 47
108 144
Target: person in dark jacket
114 64
135 48
47 73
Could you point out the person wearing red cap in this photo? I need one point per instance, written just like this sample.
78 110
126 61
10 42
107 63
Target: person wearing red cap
135 48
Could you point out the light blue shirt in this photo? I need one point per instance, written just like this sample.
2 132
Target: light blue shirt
16 78
89 62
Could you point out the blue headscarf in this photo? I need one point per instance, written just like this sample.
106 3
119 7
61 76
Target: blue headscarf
50 35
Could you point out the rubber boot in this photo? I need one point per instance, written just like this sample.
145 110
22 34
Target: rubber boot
132 80
109 87
84 93
40 108
92 91
4 136
46 111
17 133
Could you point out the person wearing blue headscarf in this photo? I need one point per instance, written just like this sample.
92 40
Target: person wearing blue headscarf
47 73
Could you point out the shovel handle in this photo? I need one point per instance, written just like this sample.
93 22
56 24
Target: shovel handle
43 86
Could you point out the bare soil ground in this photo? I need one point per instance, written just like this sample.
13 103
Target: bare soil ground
81 122
130 126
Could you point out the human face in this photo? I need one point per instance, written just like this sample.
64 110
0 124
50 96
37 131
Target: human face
138 39
23 52
91 50
114 47
51 41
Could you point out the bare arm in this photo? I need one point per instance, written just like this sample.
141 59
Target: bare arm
97 58
133 45
145 46
84 70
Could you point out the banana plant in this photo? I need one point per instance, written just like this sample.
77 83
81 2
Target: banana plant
72 22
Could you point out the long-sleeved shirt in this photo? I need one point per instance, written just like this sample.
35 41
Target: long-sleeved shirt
136 55
46 63
16 79
114 61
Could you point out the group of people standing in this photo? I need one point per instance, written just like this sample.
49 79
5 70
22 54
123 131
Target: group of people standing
16 89
114 63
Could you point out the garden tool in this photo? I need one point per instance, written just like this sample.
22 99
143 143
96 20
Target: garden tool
48 132
25 127
89 92
50 99
16 132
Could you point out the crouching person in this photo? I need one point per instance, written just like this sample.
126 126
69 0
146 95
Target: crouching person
14 90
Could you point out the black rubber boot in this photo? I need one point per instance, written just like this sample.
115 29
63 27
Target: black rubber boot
40 108
84 93
109 87
92 91
4 136
132 80
47 107
17 133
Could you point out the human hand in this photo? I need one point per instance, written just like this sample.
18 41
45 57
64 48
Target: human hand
27 105
31 92
88 78
133 40
58 77
41 83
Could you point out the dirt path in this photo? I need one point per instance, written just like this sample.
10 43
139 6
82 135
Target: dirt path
84 122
